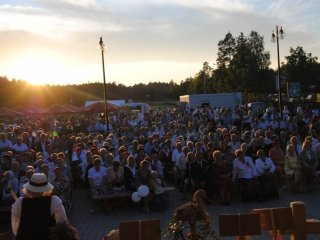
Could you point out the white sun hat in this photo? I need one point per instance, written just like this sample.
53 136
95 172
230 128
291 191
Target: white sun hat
38 183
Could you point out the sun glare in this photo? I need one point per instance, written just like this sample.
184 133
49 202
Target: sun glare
40 69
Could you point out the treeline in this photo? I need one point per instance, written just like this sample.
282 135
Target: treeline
15 93
242 64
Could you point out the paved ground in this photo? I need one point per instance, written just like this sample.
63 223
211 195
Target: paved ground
94 226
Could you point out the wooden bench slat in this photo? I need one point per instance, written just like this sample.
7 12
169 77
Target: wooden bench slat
246 224
275 218
112 195
312 226
129 230
250 224
150 229
140 230
228 225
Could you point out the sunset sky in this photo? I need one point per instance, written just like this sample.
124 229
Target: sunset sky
56 41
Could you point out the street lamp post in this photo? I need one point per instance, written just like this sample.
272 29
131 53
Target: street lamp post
102 48
275 35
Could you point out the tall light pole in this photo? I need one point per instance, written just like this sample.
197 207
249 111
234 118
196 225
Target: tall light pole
275 36
102 48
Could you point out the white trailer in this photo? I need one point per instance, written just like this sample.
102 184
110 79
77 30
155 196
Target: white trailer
213 100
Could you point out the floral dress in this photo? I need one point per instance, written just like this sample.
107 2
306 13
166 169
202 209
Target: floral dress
62 188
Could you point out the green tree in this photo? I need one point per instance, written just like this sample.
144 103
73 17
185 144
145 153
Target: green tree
242 64
226 50
301 67
260 57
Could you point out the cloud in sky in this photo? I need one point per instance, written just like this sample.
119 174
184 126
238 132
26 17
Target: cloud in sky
151 40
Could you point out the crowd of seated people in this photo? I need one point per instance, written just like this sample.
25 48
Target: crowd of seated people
190 148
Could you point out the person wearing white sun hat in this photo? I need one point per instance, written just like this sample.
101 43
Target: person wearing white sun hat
32 215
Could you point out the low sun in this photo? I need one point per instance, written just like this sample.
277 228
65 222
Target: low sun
39 68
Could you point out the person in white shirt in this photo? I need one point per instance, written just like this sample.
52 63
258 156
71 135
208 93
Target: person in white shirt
267 139
234 144
259 124
175 153
285 114
244 170
243 166
19 147
265 171
181 165
5 144
97 176
140 116
295 143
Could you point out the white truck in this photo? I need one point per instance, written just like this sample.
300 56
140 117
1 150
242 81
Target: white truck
213 100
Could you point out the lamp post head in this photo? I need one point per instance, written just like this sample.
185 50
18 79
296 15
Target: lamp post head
277 34
281 32
102 47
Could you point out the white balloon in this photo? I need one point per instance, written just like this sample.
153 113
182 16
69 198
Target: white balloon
143 190
135 197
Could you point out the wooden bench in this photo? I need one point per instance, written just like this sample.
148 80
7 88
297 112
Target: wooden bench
241 225
291 220
275 220
113 199
140 230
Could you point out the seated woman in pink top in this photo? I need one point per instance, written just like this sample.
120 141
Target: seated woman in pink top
277 156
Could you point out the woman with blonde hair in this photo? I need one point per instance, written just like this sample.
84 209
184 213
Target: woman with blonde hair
32 215
292 169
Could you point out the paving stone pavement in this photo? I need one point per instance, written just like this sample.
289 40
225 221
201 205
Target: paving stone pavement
95 226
